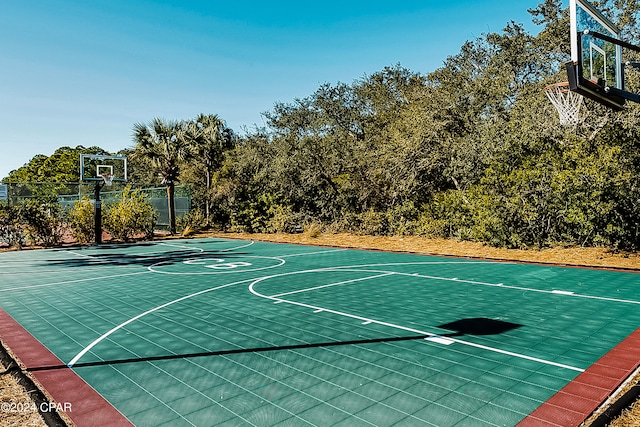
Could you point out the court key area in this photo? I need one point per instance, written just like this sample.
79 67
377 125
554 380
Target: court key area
226 332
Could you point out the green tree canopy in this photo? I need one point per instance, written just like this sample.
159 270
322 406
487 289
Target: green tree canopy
62 166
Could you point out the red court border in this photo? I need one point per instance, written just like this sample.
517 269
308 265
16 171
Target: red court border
62 385
581 397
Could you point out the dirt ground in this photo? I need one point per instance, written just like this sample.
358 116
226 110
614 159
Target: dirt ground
16 409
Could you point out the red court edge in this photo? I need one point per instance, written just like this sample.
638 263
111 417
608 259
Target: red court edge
70 393
577 400
567 408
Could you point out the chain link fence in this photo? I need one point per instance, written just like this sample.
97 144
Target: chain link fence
67 193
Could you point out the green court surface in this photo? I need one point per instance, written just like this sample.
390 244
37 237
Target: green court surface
227 332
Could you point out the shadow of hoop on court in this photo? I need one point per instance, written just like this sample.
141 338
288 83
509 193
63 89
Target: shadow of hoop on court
478 326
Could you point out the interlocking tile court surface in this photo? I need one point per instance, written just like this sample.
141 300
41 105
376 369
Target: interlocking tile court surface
227 332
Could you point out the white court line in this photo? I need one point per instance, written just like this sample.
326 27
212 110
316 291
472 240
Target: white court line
181 247
404 328
519 288
321 309
472 282
155 268
332 284
555 291
238 247
203 250
440 340
314 253
68 282
78 254
133 319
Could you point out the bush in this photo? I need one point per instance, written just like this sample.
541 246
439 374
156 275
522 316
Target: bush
285 220
402 219
348 222
82 220
313 229
191 222
11 230
131 214
373 223
252 216
44 221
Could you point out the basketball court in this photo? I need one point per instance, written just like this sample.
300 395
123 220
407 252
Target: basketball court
228 332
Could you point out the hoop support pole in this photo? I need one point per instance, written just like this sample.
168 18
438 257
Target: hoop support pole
97 209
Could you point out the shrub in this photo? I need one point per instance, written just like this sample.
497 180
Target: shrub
313 229
82 220
11 229
132 213
402 219
191 222
373 223
252 216
44 221
284 220
347 222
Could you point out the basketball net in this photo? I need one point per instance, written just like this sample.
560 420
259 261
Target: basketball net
108 179
566 102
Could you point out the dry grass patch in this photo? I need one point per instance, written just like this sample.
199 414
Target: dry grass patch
17 409
596 257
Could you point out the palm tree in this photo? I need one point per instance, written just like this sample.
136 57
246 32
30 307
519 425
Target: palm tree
165 145
209 138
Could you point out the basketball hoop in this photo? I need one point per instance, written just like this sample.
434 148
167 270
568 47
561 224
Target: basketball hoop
566 102
108 179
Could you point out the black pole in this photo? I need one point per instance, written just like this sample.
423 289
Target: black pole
98 212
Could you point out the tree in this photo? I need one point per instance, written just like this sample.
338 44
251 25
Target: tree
46 177
166 146
61 166
209 138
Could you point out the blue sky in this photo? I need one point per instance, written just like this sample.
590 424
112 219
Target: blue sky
83 72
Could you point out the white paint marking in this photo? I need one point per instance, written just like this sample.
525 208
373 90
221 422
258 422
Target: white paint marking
156 268
133 319
318 311
181 247
473 282
237 247
332 284
440 340
404 328
68 282
562 292
328 269
202 250
78 254
313 253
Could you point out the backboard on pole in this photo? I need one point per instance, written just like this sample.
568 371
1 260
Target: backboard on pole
103 167
599 59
